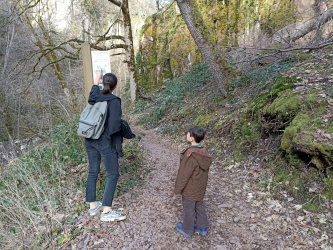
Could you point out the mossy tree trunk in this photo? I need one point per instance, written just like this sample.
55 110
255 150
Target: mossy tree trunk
130 57
6 128
205 42
46 49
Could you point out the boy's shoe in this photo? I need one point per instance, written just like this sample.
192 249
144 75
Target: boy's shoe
200 231
96 209
112 216
179 228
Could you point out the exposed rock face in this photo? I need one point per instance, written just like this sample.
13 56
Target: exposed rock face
168 50
139 10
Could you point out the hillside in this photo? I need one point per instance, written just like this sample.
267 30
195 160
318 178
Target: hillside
278 112
278 116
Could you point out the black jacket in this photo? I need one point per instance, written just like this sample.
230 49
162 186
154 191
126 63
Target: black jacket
112 126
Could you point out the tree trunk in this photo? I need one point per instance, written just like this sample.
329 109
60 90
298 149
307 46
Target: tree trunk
130 57
49 55
307 28
205 42
10 138
158 5
319 8
8 48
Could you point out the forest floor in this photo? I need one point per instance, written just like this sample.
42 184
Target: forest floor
241 215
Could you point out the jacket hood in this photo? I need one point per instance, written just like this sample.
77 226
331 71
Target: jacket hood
200 154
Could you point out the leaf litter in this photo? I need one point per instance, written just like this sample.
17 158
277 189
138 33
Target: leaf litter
241 215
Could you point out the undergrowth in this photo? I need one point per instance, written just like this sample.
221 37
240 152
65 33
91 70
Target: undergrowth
254 83
192 99
39 189
172 97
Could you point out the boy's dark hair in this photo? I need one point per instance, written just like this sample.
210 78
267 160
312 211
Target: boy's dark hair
197 133
109 82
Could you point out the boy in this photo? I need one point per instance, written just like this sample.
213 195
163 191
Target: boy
191 183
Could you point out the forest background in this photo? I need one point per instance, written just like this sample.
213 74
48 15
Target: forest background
257 73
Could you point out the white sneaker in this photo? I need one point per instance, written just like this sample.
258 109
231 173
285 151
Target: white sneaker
96 209
112 216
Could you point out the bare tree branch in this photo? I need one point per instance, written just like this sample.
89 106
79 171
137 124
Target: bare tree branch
167 8
142 95
33 132
307 28
26 7
116 2
280 51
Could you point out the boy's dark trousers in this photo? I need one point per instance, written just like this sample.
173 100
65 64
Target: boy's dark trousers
193 211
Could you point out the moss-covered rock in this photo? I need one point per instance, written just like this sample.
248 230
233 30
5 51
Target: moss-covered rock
303 119
285 107
307 134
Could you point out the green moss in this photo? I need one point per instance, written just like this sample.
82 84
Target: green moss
298 124
313 206
203 120
312 98
328 193
280 84
254 135
9 121
183 113
247 132
198 20
301 136
260 102
318 162
284 107
330 126
304 57
248 129
283 14
314 91
269 49
245 135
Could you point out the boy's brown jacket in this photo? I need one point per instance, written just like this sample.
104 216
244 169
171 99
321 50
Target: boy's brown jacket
192 175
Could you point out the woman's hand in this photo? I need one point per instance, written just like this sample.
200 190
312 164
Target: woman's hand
99 74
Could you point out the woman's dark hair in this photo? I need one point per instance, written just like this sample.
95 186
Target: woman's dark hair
197 133
110 82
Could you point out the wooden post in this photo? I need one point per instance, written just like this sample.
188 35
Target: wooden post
87 69
88 82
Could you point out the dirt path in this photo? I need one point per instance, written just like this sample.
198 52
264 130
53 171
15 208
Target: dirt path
239 218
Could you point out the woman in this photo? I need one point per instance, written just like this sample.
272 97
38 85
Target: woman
107 147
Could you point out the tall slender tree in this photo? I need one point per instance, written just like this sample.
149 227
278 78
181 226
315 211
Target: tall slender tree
128 39
205 42
44 42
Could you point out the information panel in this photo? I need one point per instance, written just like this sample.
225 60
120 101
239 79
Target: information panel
100 60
